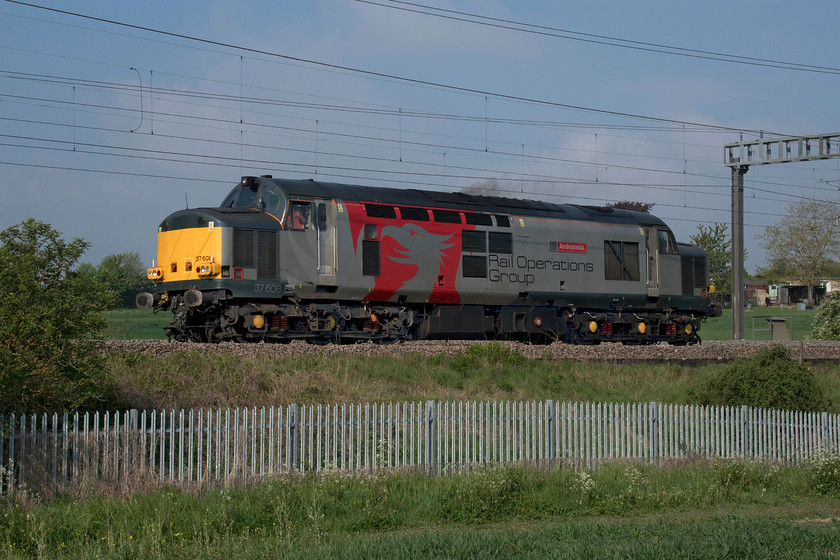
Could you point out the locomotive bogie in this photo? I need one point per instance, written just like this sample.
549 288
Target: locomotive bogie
328 262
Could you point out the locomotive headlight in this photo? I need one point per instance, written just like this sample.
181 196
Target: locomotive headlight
593 326
688 328
208 269
155 273
711 289
642 328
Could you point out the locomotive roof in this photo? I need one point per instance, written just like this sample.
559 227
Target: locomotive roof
458 200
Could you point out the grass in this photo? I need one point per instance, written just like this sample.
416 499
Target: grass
715 510
218 380
755 324
489 372
136 324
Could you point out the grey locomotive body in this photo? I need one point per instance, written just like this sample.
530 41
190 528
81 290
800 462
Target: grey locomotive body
283 260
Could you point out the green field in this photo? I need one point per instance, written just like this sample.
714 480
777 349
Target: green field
142 324
698 510
756 325
136 324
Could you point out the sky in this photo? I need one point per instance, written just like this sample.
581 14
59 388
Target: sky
115 114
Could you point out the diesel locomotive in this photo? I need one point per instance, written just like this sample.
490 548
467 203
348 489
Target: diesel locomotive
283 260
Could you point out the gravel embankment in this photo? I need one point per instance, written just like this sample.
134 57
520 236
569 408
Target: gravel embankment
708 352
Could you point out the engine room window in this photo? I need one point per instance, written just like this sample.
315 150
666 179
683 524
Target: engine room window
447 216
478 219
502 221
414 214
621 261
300 216
380 211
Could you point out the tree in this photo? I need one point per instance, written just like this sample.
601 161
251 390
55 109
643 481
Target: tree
122 273
634 206
51 319
715 240
803 244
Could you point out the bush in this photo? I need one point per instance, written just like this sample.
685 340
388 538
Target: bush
825 473
492 356
51 318
771 379
827 319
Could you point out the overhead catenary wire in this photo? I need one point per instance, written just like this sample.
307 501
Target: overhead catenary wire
450 147
371 73
566 198
449 165
544 30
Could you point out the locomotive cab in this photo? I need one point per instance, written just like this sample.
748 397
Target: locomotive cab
263 196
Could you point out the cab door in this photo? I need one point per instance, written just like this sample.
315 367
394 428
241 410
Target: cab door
652 246
663 262
325 230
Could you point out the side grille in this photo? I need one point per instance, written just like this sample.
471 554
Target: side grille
370 258
266 254
243 248
474 266
687 273
701 273
501 242
473 241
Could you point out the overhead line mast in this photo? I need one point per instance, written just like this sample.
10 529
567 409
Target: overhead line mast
739 156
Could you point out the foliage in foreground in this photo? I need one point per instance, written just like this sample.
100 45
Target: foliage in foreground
51 316
771 379
827 319
397 513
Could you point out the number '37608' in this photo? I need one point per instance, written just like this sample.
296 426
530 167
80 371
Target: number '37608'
268 288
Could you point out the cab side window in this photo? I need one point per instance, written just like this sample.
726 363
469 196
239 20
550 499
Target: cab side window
665 242
300 216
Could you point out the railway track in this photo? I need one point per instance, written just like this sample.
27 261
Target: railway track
703 354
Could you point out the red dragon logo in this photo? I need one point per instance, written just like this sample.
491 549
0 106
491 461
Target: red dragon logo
420 262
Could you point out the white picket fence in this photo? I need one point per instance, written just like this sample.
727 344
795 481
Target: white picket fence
234 446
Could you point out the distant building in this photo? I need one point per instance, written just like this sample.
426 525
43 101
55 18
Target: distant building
789 294
757 293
